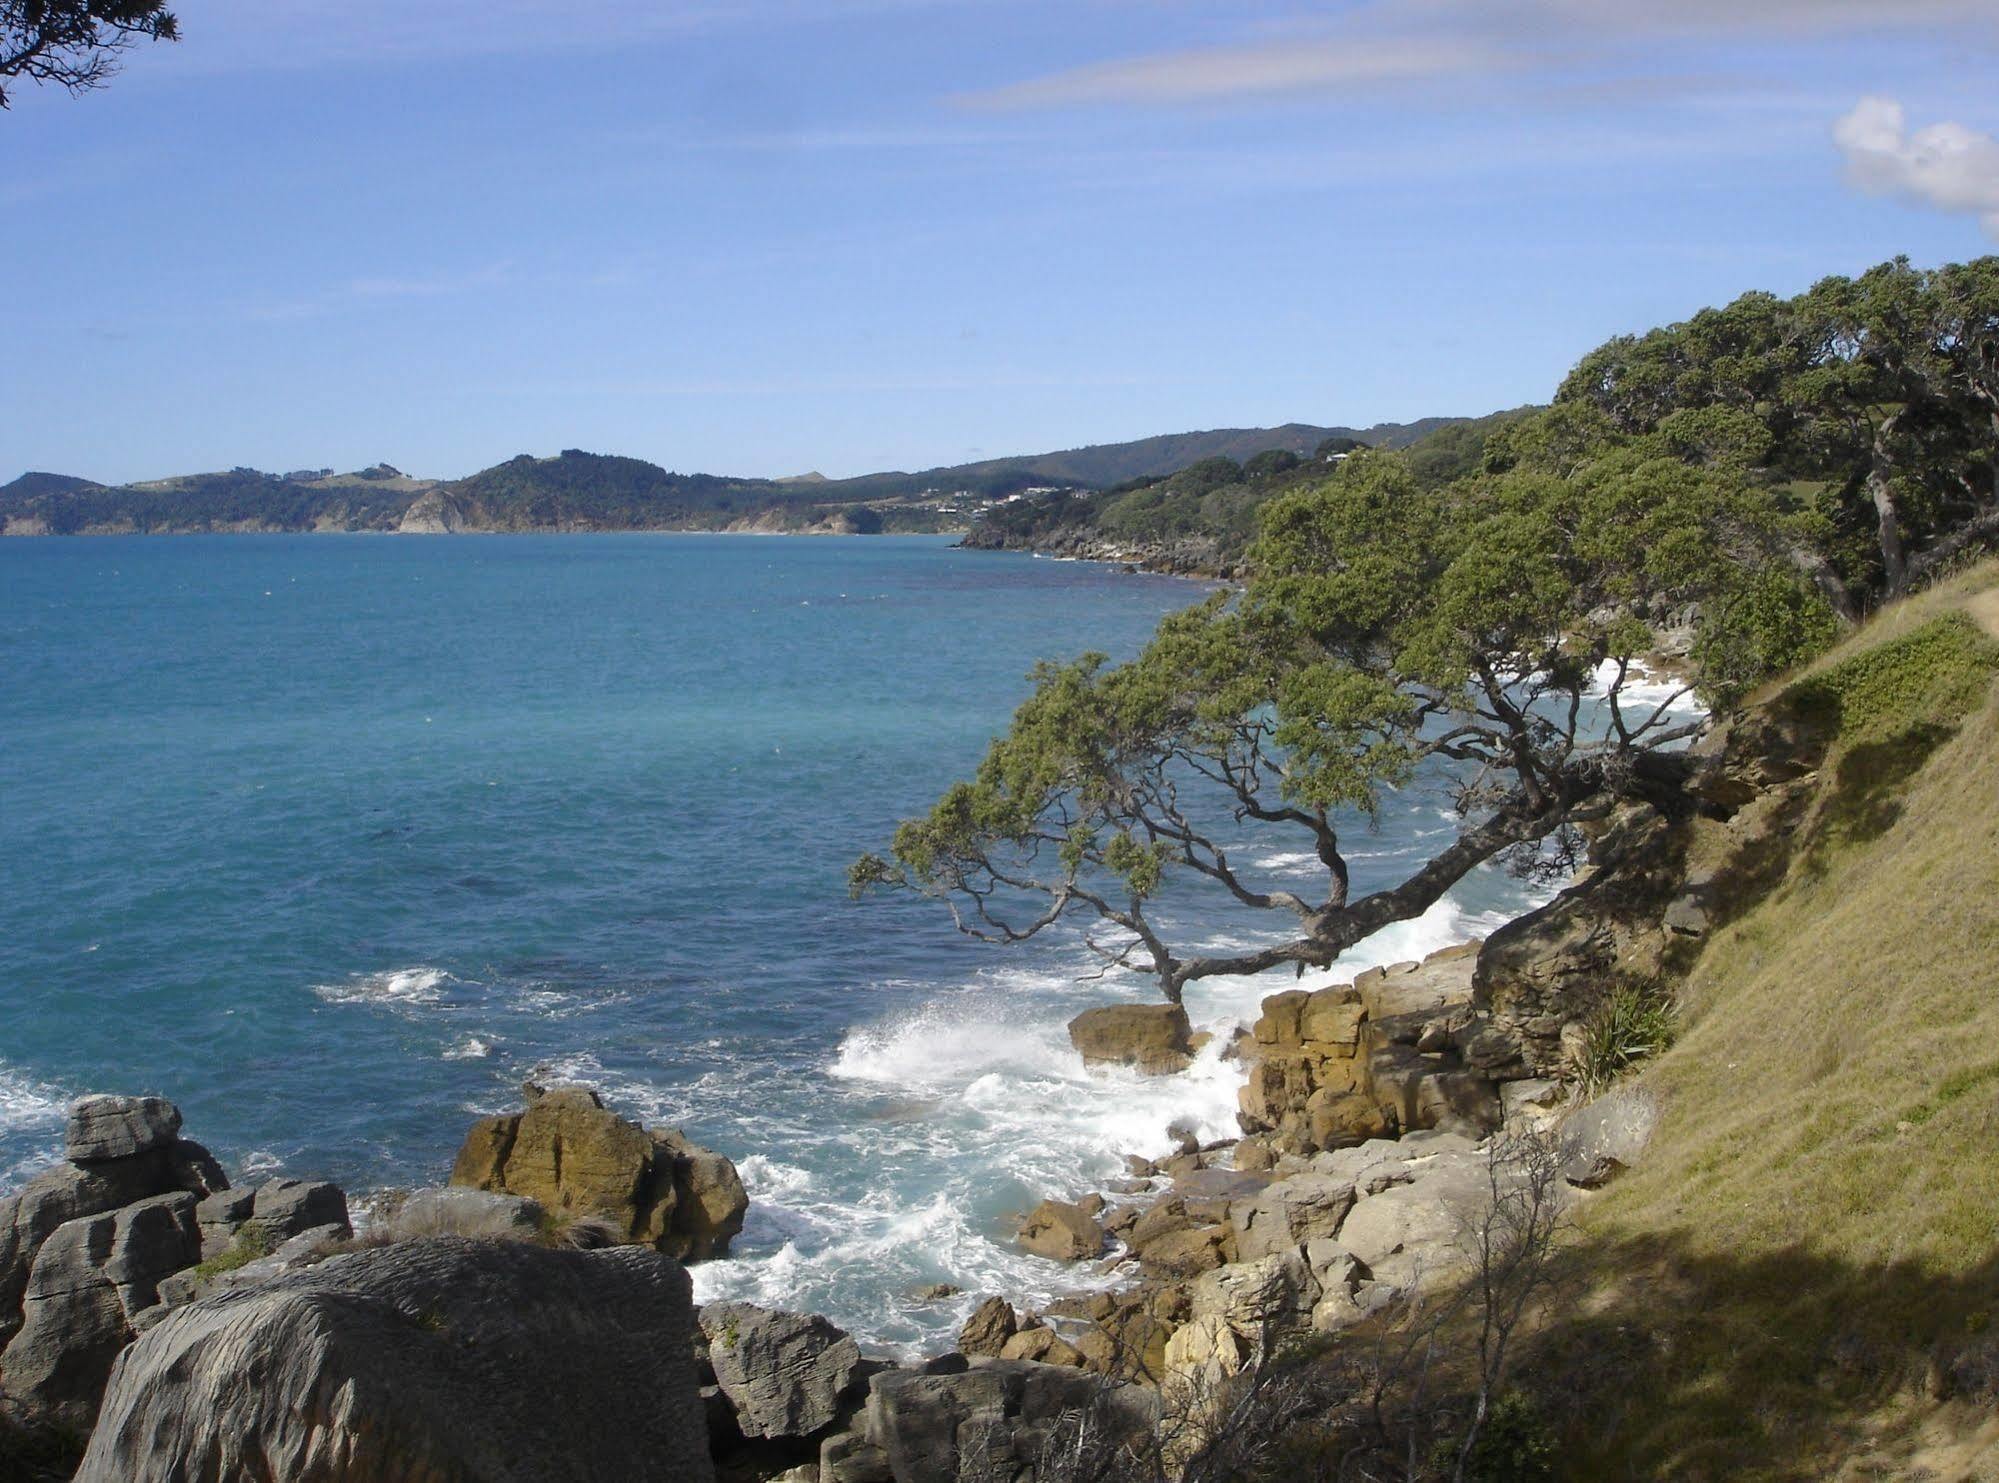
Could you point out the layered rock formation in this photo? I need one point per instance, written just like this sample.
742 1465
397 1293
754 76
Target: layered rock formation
97 1249
1399 1049
441 1360
580 1161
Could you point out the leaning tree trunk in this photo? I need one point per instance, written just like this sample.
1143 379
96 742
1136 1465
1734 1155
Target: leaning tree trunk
1881 468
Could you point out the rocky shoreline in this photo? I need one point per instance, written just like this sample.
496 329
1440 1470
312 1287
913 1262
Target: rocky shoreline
161 1323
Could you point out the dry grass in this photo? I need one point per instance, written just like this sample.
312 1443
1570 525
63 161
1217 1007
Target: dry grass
1816 1224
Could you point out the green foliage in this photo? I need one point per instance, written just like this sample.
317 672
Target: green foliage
1514 1446
1632 1025
252 1243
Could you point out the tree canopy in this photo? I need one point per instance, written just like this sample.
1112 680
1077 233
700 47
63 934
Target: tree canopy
75 44
1757 475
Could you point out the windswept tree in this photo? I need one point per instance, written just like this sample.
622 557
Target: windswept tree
75 44
1481 640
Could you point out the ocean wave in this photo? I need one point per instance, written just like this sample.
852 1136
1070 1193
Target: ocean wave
32 1114
397 986
469 1048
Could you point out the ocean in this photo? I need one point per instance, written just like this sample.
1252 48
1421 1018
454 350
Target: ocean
337 840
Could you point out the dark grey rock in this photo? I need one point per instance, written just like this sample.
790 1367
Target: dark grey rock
194 1169
494 1361
90 1280
288 1207
107 1127
221 1216
786 1374
994 1419
53 1198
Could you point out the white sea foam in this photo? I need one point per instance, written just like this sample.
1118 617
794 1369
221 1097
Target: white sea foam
399 986
468 1048
32 1112
970 1108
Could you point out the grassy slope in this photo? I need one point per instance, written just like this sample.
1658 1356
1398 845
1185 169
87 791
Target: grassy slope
1816 1223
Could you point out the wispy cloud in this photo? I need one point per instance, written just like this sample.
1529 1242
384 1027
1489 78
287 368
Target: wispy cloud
1947 166
1289 65
1400 43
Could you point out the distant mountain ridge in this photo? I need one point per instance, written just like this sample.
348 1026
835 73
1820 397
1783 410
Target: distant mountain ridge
579 491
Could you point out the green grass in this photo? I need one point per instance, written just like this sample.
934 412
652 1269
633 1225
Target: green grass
252 1243
1814 1229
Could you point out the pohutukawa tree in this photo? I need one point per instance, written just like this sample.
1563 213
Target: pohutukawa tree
75 44
1390 636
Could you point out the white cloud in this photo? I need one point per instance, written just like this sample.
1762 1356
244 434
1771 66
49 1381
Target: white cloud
1947 166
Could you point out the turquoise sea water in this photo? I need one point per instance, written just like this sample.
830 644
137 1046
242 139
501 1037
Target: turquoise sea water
335 840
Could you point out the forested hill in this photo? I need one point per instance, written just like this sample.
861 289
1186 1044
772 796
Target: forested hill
579 491
1200 518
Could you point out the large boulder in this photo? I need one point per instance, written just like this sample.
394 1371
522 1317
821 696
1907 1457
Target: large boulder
992 1323
1063 1232
445 1361
1290 1213
92 1281
999 1419
581 1161
53 1198
1154 1038
104 1127
785 1374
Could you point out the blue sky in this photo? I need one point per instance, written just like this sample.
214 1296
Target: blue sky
769 236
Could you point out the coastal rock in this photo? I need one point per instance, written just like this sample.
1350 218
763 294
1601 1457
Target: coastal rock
849 1457
437 1360
992 1323
1152 1038
55 1197
1187 1252
474 1213
786 1374
580 1161
105 1127
91 1279
1062 1232
996 1419
1041 1344
1290 1213
194 1169
1260 1299
284 1208
710 1202
220 1216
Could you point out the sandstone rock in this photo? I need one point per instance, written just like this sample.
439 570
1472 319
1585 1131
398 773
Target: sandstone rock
1290 1213
1187 1252
90 1279
1419 1091
935 1292
439 1360
1261 1300
1152 1038
709 1200
1331 1018
992 1323
220 1216
103 1128
1062 1232
786 1374
1411 1231
1338 1273
1041 1344
580 1161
